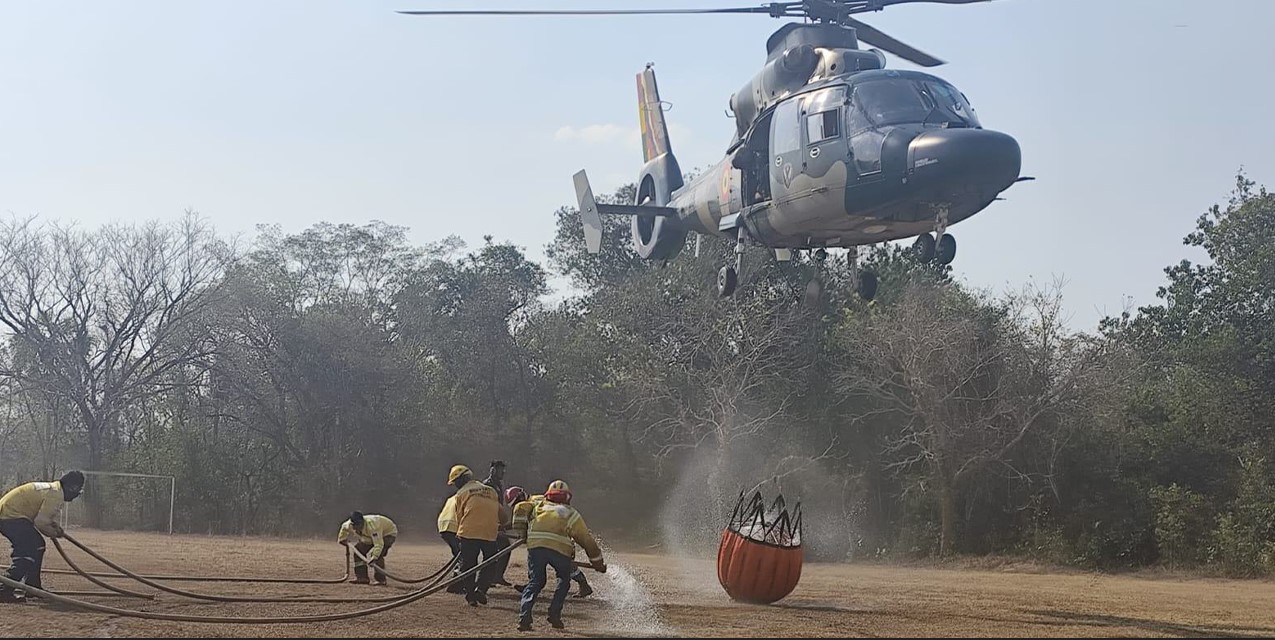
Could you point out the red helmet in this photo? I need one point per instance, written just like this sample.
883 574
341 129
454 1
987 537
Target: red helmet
514 495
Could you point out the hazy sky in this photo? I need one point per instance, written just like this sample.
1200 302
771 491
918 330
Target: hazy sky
1133 115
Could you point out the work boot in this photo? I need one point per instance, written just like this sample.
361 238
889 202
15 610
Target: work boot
524 624
360 575
8 596
556 622
482 596
585 590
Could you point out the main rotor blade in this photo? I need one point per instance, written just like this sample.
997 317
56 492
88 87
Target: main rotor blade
871 35
594 12
886 3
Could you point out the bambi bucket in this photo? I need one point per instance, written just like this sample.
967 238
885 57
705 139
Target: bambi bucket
759 558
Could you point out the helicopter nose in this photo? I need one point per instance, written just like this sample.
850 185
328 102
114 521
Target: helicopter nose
965 159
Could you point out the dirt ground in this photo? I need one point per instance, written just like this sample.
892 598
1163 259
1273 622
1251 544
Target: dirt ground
645 595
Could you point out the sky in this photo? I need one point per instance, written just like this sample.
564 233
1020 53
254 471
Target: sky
1134 117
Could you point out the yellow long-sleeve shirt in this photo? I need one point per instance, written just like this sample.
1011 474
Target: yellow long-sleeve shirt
375 529
447 517
477 512
554 526
39 502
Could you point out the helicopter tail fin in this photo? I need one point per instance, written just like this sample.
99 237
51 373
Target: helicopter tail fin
655 140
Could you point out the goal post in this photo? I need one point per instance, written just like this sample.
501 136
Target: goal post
126 498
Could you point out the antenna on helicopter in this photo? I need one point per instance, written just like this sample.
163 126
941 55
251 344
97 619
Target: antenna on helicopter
834 12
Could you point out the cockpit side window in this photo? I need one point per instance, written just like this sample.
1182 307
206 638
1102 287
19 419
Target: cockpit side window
951 101
824 125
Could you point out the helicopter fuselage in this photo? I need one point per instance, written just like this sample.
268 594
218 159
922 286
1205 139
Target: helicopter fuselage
850 160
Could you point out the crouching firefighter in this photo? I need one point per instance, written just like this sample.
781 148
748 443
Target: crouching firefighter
27 514
375 534
516 494
552 529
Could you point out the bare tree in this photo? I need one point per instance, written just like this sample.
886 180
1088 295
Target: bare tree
722 377
107 316
969 381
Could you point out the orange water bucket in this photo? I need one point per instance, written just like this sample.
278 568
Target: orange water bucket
760 556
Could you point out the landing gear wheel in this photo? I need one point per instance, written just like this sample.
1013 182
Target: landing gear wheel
946 249
727 278
868 285
924 247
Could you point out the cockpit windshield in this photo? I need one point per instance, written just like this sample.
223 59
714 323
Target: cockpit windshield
890 101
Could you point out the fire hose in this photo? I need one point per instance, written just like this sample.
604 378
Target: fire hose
343 578
76 568
359 556
203 596
330 617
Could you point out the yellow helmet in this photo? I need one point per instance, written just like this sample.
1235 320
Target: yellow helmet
458 471
558 492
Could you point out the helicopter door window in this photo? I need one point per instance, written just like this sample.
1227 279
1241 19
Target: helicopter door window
824 125
787 133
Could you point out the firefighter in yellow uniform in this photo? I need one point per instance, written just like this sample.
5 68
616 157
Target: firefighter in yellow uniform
26 512
477 523
552 528
517 494
447 526
375 535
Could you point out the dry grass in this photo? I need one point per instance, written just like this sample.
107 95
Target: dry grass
830 601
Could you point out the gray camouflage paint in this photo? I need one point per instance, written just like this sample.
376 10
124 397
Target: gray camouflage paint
821 195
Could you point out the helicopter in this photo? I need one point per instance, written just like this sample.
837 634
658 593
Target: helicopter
830 150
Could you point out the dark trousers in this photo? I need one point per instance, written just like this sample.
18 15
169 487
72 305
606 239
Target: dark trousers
502 564
28 552
538 562
469 550
360 569
452 541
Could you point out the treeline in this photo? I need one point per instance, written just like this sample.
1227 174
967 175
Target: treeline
287 382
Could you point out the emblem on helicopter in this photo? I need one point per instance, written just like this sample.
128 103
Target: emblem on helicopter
816 93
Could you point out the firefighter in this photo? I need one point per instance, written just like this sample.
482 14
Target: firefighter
26 512
447 526
478 521
496 480
517 494
375 534
552 529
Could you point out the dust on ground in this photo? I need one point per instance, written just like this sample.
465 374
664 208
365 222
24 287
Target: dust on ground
647 595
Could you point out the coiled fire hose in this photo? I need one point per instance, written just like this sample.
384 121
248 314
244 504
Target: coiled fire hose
76 569
203 596
343 578
330 617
